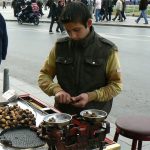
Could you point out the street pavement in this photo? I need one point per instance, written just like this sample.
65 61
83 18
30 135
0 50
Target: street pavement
24 88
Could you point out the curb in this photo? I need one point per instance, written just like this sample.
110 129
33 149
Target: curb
123 25
98 24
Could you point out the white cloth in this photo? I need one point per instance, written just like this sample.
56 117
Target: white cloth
98 4
119 5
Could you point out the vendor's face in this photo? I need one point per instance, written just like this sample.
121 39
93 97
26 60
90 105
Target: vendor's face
78 31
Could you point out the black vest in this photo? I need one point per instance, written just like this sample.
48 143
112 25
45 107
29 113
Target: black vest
81 68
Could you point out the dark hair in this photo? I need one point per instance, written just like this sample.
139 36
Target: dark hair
28 3
33 1
75 12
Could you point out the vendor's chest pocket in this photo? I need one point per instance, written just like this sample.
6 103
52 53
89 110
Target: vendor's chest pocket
65 63
93 66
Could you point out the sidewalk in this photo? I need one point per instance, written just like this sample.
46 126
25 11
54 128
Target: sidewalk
24 88
130 21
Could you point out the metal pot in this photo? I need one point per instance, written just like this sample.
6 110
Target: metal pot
57 119
94 115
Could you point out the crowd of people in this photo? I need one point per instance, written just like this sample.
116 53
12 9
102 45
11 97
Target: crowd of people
104 9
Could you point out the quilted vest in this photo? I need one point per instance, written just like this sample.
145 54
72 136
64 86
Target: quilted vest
81 68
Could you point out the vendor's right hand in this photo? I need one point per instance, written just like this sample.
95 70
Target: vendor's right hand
62 97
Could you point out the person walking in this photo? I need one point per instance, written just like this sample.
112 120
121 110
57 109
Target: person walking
40 5
123 9
98 5
86 65
105 9
54 16
17 5
14 6
59 10
119 8
4 4
3 39
143 7
55 13
49 4
110 9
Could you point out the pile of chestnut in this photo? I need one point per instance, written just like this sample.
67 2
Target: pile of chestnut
12 116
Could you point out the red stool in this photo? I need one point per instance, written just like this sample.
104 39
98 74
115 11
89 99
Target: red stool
135 127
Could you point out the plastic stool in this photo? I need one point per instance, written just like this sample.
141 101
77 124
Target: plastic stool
135 127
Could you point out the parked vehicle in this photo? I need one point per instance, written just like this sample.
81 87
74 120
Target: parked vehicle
28 18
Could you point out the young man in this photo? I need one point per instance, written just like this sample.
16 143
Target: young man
86 65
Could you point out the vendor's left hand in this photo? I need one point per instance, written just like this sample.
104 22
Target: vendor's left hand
80 100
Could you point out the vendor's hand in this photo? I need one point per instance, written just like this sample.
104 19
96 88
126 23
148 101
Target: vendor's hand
63 97
80 100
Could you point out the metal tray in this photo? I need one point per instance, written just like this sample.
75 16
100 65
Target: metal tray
20 137
100 115
60 119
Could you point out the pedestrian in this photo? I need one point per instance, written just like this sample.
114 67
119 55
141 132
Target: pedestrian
3 39
55 12
49 4
98 5
59 10
105 9
123 9
110 9
119 8
40 5
4 4
14 6
143 7
86 65
54 17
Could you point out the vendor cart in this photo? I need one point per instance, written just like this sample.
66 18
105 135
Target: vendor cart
77 135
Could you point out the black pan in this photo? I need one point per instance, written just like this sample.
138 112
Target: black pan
20 137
